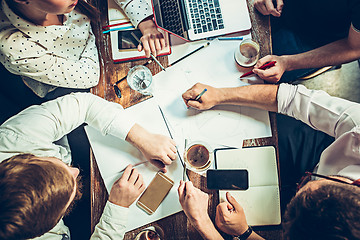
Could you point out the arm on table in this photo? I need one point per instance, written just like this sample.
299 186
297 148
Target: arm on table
258 96
230 218
123 193
59 117
195 205
335 53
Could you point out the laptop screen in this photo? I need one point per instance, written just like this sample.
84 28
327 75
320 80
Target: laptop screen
170 15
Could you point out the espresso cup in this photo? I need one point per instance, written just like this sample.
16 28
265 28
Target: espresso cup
247 54
198 156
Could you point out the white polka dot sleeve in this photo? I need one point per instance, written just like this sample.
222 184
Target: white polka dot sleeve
136 10
45 65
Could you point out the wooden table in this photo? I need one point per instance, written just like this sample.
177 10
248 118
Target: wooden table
175 226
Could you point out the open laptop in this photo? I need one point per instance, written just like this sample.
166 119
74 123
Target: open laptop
197 19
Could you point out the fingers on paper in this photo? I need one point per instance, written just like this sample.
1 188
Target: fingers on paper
133 176
127 172
159 164
194 104
270 75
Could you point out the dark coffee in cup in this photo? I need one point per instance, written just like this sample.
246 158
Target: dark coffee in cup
198 156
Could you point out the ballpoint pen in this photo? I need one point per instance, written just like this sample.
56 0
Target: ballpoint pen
151 55
268 65
200 94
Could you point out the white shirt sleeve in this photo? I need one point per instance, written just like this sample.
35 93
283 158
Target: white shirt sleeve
112 223
135 10
318 109
36 128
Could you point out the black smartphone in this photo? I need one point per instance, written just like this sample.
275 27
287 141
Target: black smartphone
126 41
227 179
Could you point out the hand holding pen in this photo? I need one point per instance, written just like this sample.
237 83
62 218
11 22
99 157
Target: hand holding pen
201 96
271 74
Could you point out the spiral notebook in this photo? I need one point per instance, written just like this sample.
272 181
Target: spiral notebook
261 201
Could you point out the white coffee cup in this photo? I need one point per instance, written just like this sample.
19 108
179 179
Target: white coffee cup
247 54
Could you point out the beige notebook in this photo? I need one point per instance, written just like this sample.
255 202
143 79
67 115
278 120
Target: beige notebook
261 201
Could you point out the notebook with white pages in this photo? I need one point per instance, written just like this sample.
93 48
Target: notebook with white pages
261 201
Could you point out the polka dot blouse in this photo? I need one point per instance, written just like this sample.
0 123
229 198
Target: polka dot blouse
136 10
49 56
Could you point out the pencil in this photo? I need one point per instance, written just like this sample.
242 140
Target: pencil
267 65
230 38
135 165
199 96
190 53
151 55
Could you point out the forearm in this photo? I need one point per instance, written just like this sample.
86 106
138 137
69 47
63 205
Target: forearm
332 54
207 230
258 96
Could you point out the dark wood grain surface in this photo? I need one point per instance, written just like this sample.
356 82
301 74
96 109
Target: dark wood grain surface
175 226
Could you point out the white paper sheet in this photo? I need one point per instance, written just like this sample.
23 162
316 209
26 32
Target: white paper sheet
113 155
222 125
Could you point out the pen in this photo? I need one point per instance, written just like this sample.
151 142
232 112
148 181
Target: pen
113 25
136 164
151 55
267 65
208 43
118 29
199 96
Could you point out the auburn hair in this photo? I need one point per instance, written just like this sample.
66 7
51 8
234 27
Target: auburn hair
34 194
89 10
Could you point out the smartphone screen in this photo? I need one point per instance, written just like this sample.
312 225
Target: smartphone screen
155 193
227 179
126 41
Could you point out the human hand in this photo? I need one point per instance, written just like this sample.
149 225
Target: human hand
208 100
274 73
194 203
266 7
127 188
152 40
157 149
230 217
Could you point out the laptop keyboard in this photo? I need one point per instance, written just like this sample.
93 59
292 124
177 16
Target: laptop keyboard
205 15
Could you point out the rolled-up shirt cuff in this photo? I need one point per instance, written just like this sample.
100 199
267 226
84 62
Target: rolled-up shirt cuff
138 10
115 213
121 125
285 96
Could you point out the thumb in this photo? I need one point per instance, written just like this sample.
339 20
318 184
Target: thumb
262 61
140 47
233 201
